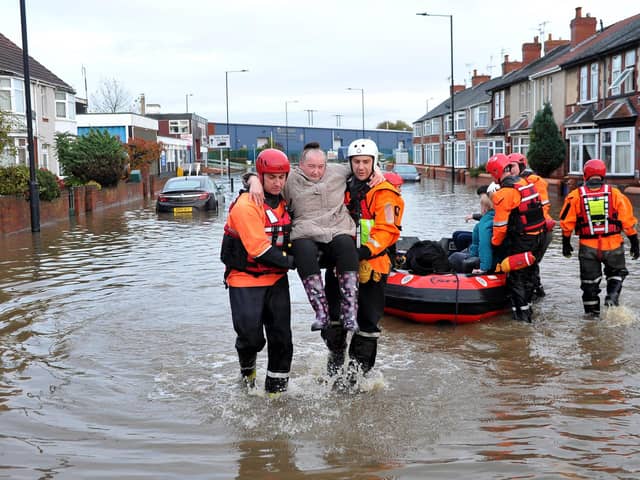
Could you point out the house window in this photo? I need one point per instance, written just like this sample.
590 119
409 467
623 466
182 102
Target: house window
447 124
432 154
178 126
417 154
520 144
461 121
498 105
65 106
417 129
481 153
616 149
426 128
594 82
435 126
582 147
461 155
481 116
629 67
12 95
616 68
584 84
44 106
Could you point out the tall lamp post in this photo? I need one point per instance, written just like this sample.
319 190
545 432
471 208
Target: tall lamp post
286 124
452 138
362 98
226 96
186 101
34 198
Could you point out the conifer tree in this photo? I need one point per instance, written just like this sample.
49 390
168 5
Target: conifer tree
547 149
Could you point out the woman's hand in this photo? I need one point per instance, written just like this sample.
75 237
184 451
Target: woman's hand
256 192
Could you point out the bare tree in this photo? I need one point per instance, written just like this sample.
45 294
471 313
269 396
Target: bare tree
111 97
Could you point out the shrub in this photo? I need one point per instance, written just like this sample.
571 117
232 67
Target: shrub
96 156
48 187
14 180
475 171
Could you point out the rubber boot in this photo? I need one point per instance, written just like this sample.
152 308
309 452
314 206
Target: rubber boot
348 282
248 370
315 292
592 307
614 286
274 386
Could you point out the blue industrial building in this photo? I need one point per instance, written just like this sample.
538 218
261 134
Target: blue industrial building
293 138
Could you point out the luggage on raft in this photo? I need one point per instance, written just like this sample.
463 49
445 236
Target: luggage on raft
435 296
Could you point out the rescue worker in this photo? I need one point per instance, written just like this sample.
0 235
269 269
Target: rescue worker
254 250
599 214
377 212
543 190
518 220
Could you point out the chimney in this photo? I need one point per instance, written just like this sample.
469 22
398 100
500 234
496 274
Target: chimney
508 66
478 79
458 88
550 44
153 108
531 51
582 27
142 104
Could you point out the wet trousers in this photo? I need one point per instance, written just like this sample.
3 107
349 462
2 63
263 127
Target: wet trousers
521 283
259 310
615 271
363 347
340 251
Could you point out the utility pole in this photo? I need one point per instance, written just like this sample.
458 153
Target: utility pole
310 116
338 119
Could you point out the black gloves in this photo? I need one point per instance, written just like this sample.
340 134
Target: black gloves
635 247
364 253
274 257
566 246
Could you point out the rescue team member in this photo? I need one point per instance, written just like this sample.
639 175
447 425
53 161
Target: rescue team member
518 220
542 188
254 250
599 214
377 212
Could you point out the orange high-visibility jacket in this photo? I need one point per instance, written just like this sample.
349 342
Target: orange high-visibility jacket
573 209
543 189
248 220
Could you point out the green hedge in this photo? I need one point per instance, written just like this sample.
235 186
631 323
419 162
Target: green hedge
14 180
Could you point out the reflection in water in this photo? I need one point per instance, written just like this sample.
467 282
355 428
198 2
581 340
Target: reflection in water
116 356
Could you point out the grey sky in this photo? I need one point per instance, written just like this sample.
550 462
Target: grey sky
309 51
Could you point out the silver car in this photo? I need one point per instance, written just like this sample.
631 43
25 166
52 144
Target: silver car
408 173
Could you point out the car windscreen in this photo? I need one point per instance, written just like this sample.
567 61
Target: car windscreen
405 169
182 185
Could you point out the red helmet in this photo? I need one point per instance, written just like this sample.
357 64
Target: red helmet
496 165
518 158
594 168
272 160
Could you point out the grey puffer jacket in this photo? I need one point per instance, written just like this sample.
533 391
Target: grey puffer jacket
318 208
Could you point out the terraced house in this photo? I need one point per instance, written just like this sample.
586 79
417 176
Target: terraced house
591 83
52 100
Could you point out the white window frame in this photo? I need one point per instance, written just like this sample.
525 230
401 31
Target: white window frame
461 155
460 121
616 71
15 89
417 154
435 126
615 146
593 76
579 141
432 154
447 124
68 102
498 105
481 152
417 129
481 116
584 84
520 144
179 126
426 128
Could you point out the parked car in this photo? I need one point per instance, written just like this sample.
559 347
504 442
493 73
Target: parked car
184 194
407 172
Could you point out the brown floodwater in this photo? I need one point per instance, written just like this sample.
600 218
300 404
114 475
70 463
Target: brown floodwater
117 361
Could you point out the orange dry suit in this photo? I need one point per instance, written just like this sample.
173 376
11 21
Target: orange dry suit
249 235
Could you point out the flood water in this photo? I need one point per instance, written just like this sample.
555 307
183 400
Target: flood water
117 361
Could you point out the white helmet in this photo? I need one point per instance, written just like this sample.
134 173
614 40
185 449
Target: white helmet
364 146
493 187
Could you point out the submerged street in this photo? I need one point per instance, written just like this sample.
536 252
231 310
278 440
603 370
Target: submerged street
117 361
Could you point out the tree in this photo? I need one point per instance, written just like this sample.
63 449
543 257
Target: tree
142 153
7 125
397 125
97 156
111 97
547 149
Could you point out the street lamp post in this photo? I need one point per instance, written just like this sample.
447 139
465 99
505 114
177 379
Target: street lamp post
452 138
226 101
186 101
362 98
286 124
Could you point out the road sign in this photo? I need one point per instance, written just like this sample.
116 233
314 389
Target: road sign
219 141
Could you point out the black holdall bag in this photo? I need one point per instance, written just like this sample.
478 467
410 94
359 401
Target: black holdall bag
426 257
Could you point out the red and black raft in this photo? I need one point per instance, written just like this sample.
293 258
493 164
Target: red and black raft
454 297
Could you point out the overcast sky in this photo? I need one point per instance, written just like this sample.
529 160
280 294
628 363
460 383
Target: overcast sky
310 51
